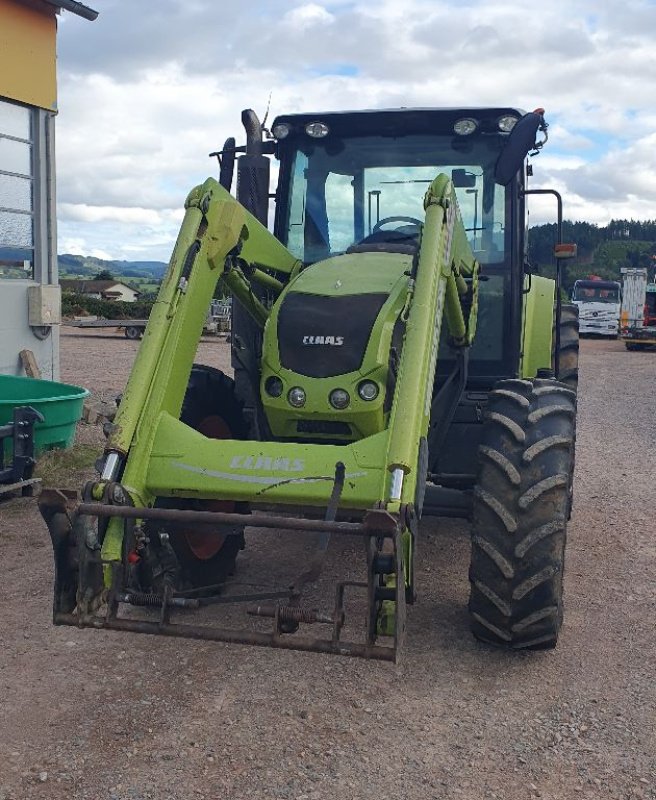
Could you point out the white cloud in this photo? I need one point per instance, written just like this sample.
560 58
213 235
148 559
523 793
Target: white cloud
85 213
306 16
148 90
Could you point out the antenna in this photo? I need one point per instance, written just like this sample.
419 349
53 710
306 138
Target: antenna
266 131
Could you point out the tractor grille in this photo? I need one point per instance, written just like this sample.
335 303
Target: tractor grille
321 337
334 428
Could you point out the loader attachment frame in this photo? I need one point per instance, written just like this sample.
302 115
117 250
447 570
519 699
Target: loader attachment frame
71 527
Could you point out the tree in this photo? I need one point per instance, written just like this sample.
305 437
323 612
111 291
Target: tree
105 275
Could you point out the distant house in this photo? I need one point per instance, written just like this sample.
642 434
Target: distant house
101 290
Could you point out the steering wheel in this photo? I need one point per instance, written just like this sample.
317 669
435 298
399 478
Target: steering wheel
386 220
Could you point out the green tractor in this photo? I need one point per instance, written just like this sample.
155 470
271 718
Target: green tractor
353 410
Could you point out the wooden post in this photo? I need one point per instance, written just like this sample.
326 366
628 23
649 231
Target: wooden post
29 364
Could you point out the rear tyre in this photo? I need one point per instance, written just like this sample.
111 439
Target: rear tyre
520 513
211 407
568 352
568 365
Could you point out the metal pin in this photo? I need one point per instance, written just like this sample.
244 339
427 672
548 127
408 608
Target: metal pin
397 485
111 467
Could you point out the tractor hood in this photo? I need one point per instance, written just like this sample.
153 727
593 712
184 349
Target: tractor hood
351 274
330 328
326 317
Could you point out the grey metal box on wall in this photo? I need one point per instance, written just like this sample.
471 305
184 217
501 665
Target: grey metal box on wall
44 305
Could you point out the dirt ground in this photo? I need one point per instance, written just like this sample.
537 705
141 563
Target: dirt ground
103 715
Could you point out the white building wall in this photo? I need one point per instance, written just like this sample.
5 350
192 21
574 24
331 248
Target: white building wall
16 334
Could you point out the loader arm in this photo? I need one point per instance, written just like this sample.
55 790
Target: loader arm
440 288
151 453
215 224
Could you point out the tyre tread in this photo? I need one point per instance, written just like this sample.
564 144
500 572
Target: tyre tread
519 528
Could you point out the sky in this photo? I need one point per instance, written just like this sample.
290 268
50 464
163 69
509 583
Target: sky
148 89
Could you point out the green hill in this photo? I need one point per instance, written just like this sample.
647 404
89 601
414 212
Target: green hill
602 250
71 266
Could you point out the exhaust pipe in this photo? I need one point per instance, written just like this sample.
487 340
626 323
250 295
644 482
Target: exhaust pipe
253 130
253 170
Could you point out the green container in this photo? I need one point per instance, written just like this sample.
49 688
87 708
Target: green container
59 403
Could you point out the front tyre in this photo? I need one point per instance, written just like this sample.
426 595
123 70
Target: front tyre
211 407
520 512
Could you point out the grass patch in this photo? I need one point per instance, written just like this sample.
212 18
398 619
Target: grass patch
67 468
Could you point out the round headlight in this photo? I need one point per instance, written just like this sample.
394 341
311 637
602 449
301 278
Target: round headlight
465 126
296 396
273 386
317 130
368 390
281 130
339 398
506 123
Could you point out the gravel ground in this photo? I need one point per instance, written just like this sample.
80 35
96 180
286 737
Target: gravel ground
108 716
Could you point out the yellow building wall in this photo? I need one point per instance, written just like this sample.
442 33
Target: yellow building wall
28 34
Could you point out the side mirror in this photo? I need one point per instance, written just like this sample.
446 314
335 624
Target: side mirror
463 179
520 142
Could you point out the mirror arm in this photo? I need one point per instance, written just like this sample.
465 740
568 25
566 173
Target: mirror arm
559 281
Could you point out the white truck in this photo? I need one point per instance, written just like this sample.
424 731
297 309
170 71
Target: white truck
638 316
598 302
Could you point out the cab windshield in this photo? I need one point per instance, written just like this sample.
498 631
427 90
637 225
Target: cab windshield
369 190
596 292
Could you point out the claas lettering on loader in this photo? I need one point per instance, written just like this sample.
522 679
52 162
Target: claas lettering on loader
393 359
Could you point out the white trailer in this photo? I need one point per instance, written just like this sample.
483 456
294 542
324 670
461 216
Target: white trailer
216 322
634 293
638 318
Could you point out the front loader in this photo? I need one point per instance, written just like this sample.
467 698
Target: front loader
393 358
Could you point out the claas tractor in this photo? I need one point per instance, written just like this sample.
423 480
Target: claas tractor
393 358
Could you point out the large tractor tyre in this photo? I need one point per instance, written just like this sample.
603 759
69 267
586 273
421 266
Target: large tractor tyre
211 407
520 512
568 364
568 352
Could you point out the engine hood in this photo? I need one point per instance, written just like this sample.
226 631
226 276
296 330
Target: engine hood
352 274
332 327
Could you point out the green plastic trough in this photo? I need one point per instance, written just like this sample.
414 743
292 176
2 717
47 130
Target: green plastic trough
59 403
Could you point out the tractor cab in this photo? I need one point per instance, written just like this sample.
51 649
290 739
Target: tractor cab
354 182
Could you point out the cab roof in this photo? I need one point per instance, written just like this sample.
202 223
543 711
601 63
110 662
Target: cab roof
393 121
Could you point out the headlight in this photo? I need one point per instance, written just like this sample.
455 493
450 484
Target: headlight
506 123
339 398
273 386
465 126
368 390
317 130
296 396
281 130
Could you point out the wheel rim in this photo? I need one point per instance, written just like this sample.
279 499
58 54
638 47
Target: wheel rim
206 545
